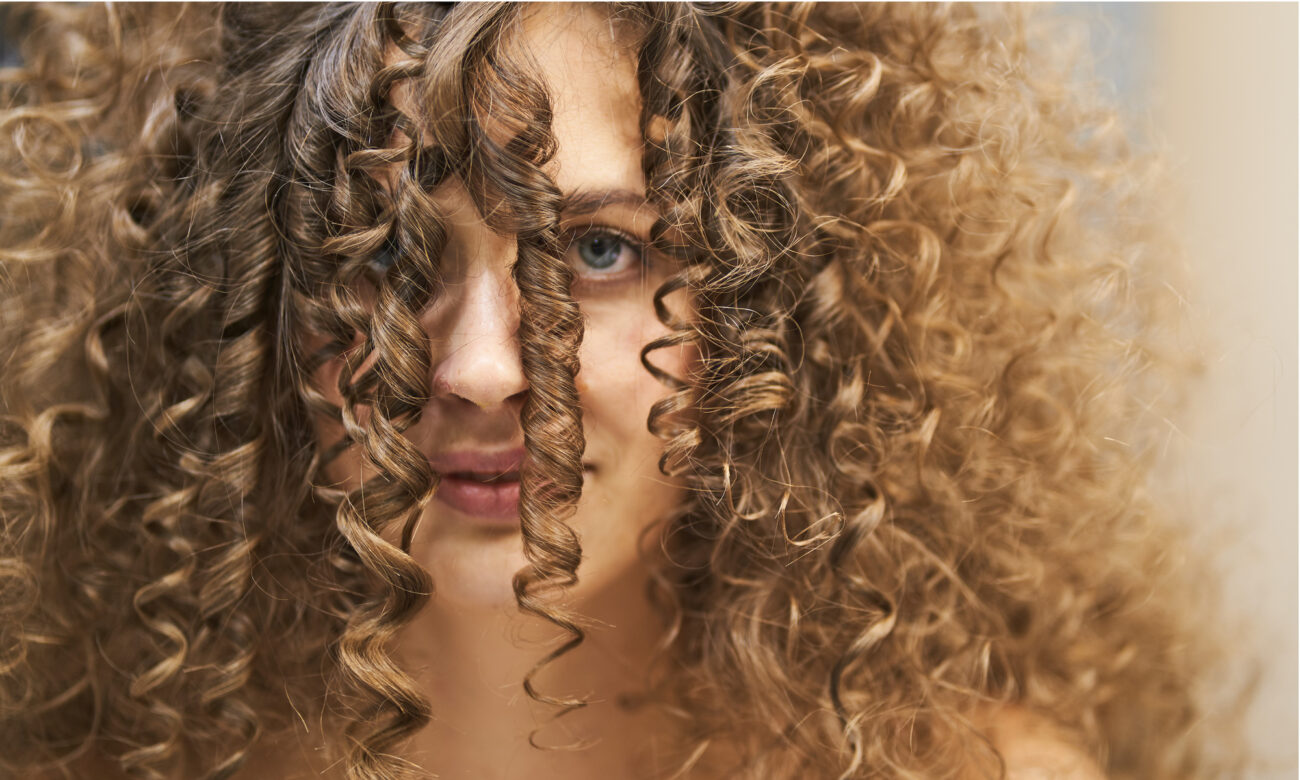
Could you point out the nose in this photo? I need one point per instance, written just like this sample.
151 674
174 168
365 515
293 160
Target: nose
473 328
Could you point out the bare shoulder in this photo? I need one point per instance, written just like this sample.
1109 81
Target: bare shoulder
1036 749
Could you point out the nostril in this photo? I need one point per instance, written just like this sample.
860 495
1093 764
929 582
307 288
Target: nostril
484 373
487 394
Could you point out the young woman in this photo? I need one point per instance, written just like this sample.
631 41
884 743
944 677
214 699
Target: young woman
575 391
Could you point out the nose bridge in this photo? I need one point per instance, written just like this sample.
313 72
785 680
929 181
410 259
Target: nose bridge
491 302
477 323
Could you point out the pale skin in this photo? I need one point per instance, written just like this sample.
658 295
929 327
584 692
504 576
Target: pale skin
469 649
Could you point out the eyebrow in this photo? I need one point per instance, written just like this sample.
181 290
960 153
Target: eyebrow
591 201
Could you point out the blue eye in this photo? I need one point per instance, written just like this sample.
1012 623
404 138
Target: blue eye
599 250
385 258
603 251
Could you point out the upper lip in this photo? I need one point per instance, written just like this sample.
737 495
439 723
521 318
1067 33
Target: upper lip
497 463
480 463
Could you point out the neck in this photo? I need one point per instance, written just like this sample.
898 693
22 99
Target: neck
471 662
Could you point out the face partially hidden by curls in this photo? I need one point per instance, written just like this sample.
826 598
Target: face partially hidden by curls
373 270
469 427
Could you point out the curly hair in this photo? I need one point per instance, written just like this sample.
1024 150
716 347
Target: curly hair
915 442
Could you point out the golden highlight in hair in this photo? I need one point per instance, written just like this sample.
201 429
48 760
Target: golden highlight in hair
915 439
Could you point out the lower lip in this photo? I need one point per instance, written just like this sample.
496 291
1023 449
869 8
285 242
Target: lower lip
494 503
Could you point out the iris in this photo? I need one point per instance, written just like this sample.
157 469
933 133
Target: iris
600 250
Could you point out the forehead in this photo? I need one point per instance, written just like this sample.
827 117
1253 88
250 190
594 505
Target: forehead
586 60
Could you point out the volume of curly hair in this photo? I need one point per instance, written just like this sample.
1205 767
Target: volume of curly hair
915 442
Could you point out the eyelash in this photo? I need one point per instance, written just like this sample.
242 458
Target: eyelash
595 276
378 266
375 268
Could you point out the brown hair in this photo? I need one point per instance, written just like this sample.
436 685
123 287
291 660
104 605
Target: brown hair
916 440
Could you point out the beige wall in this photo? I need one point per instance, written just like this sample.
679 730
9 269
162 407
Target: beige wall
1222 80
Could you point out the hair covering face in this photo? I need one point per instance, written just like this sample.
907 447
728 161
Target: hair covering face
910 442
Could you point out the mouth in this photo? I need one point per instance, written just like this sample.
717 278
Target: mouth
484 477
483 488
488 498
493 477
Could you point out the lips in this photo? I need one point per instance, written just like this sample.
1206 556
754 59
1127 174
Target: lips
486 477
482 486
495 503
479 463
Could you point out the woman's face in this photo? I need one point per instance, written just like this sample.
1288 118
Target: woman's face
468 536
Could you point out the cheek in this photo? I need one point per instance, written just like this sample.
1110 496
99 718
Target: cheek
628 494
615 389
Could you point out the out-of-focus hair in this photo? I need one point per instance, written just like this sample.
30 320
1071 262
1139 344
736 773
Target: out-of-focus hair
915 444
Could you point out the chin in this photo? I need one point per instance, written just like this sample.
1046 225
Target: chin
477 595
472 573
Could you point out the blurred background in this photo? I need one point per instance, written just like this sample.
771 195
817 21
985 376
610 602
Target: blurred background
1214 87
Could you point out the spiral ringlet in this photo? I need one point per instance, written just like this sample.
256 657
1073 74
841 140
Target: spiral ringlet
912 438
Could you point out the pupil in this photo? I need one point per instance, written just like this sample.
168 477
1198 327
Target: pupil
599 251
386 257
